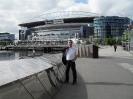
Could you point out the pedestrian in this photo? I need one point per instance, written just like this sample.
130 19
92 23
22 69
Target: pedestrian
33 52
71 56
115 47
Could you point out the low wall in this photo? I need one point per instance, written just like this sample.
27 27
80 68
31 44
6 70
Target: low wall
85 50
40 85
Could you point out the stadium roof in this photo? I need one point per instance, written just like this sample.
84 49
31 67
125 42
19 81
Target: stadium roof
66 20
67 16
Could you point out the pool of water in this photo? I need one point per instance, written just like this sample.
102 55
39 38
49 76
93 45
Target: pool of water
12 55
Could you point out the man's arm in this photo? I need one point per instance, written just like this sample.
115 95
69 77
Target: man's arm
76 56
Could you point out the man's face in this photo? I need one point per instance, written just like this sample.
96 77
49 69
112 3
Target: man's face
70 43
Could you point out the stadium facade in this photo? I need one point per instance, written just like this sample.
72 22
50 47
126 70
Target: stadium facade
80 27
57 29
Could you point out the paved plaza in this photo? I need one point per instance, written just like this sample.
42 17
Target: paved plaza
108 77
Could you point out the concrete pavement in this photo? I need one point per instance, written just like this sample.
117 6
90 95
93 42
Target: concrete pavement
108 77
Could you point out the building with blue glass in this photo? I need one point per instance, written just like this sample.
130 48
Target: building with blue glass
7 37
110 26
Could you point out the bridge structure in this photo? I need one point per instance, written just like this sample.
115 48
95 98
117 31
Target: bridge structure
38 45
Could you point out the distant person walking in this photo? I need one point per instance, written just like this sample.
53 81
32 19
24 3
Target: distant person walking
33 52
71 56
115 47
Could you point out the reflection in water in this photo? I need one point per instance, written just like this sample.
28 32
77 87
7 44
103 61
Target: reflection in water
11 55
7 55
29 53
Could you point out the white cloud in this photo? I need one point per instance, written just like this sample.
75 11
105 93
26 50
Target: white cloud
65 3
112 7
106 7
14 12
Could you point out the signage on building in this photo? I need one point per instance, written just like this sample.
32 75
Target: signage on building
55 21
21 34
49 22
58 21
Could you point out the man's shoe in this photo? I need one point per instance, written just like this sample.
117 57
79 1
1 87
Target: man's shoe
74 83
66 82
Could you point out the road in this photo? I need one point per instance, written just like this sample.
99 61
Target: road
108 77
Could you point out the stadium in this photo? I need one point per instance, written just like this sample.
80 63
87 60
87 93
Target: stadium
58 26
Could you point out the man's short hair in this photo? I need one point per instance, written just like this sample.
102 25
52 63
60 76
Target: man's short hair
70 41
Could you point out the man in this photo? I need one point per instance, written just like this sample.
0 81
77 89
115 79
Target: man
115 47
71 57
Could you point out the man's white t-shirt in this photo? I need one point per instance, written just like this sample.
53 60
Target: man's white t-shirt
71 53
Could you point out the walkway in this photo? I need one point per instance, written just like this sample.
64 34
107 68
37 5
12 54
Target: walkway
109 77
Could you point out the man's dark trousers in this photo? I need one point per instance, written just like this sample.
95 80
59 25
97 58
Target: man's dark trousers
71 64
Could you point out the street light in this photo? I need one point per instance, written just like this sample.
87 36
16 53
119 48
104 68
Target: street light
129 35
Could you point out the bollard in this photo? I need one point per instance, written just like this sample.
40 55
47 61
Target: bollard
95 51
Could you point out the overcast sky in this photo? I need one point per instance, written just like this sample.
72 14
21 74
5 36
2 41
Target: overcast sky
14 12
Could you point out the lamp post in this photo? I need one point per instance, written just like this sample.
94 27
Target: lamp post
128 39
129 35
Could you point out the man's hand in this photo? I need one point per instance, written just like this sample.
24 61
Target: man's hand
75 58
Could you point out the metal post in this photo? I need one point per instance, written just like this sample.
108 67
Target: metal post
128 39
